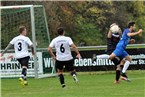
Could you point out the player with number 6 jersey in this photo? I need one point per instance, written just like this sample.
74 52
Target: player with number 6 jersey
62 45
63 55
21 44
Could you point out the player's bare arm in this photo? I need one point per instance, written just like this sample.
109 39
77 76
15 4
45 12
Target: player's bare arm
32 49
109 34
135 33
8 46
51 53
76 51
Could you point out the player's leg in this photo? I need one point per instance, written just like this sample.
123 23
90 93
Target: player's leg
117 74
74 75
123 74
70 67
115 53
24 72
117 61
59 67
61 77
106 56
122 63
112 56
103 56
24 62
94 58
121 66
24 75
126 65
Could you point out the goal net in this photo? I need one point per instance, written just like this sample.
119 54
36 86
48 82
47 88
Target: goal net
34 18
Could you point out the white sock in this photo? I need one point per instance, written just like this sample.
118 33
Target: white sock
75 77
125 67
104 56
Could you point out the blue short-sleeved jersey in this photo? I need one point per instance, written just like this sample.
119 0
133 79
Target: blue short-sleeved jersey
121 46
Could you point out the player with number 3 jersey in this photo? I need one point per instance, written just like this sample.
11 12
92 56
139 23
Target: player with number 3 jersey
21 44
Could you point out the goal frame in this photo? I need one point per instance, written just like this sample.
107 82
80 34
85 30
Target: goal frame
32 29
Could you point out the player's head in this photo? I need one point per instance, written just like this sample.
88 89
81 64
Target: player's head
60 31
22 30
131 26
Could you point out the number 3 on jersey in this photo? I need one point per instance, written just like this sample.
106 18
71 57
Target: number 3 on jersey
19 46
62 49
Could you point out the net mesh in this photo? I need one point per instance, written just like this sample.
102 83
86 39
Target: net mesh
11 19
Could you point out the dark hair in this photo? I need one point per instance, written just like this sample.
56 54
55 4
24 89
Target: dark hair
21 29
131 24
60 31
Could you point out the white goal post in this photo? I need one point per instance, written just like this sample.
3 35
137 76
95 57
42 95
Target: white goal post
33 31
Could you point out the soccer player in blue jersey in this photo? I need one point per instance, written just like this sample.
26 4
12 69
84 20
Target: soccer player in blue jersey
112 40
121 46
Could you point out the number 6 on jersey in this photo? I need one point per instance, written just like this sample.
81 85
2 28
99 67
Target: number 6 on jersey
62 49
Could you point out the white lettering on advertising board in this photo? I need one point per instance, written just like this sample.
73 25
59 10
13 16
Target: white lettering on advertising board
10 67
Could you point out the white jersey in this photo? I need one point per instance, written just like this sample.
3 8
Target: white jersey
62 46
21 44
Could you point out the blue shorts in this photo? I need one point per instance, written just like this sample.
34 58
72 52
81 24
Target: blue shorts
120 52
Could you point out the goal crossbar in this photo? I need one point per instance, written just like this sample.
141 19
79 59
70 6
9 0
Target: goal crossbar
19 6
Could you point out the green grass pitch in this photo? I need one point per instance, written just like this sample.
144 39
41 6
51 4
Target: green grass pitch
91 84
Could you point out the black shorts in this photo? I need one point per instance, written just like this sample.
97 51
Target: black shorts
109 52
69 65
24 61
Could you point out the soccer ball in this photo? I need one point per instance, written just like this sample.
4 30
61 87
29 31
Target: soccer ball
115 29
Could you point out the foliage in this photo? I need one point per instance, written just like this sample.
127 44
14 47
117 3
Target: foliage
87 22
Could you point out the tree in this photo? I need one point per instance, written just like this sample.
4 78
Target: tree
87 22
